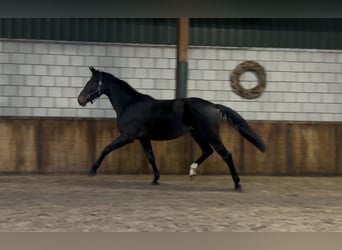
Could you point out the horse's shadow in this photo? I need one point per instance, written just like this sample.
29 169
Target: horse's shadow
145 185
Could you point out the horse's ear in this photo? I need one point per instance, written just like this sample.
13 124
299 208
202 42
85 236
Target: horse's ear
92 69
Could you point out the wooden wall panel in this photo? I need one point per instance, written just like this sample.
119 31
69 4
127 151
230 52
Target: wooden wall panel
72 146
312 148
338 149
274 160
64 146
18 149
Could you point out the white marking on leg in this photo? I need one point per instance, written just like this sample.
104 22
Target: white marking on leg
193 168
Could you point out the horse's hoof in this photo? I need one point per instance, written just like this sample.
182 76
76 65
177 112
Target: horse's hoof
192 177
154 183
92 172
238 187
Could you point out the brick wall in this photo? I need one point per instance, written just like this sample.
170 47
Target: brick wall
301 84
39 78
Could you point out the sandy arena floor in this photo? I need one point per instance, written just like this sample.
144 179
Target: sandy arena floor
124 203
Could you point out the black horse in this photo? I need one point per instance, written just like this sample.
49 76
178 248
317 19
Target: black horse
144 118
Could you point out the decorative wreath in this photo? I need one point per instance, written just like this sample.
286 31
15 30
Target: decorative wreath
260 73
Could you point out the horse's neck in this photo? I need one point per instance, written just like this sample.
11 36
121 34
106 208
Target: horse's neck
121 94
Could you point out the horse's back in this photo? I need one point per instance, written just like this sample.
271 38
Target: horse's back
160 119
201 115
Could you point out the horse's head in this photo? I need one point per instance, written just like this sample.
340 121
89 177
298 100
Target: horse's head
93 89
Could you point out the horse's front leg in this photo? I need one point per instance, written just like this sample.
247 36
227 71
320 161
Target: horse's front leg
117 143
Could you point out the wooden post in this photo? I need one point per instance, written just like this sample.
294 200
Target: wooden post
182 57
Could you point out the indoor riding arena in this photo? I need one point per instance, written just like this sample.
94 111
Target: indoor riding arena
283 76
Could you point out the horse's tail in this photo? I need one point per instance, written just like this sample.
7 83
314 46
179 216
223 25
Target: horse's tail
236 121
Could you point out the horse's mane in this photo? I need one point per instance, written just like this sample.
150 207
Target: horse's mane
114 80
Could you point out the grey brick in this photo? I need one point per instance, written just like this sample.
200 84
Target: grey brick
196 54
47 80
62 102
134 62
10 90
127 72
40 48
147 83
77 81
47 102
4 101
17 58
113 51
25 47
10 47
32 59
83 71
92 61
121 62
105 61
77 60
155 52
99 50
126 51
84 50
69 112
54 112
62 59
8 111
47 59
24 111
70 71
169 53
140 73
40 70
40 91
70 92
147 62
25 91
74 104
32 102
5 57
31 80
40 112
17 101
25 69
55 92
142 52
168 74
109 113
210 54
216 65
154 73
195 74
16 80
83 112
97 113
61 81
70 49
10 69
55 48
162 63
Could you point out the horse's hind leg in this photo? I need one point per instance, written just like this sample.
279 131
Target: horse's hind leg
227 157
146 143
206 152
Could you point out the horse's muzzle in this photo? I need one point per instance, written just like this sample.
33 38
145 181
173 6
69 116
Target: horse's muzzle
82 100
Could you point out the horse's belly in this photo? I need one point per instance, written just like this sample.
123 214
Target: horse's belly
167 130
